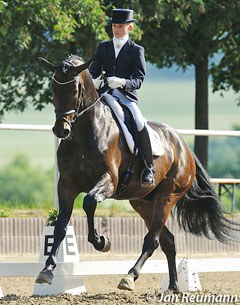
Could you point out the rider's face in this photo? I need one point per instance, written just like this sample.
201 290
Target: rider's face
121 30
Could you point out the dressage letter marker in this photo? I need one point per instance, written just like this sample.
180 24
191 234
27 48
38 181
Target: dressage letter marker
187 277
69 244
48 244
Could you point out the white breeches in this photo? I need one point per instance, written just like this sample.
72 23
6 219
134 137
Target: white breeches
139 119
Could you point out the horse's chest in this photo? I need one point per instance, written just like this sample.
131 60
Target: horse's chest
85 164
90 166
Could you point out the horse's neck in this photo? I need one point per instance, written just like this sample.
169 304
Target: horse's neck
94 126
93 102
97 117
90 94
100 117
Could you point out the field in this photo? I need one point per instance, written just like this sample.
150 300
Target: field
171 102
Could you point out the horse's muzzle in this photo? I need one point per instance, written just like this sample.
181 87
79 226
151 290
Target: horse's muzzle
62 128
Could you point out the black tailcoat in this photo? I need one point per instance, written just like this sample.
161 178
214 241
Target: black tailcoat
129 64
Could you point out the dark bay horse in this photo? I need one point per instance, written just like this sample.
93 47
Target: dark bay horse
93 155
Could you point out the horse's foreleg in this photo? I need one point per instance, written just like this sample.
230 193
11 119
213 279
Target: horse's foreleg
104 189
168 247
46 275
66 199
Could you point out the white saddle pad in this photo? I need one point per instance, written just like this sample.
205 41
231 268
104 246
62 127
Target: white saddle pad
155 140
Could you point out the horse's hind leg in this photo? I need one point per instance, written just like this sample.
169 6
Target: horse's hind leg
168 247
160 213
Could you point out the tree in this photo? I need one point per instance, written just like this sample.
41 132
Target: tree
189 33
46 28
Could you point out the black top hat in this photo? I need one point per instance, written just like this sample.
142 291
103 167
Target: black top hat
122 16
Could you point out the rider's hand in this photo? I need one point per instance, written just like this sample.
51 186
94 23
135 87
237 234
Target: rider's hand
98 82
116 82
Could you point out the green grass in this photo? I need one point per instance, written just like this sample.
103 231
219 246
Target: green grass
108 208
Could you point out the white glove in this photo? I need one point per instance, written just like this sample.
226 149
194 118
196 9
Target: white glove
116 82
98 82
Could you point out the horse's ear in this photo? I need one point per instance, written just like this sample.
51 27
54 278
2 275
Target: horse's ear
47 64
83 67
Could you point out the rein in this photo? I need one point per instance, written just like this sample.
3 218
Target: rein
78 114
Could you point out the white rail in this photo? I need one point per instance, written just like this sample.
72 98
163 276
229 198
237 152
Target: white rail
194 132
25 127
204 132
117 267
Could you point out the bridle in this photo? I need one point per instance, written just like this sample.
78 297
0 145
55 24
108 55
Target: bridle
62 115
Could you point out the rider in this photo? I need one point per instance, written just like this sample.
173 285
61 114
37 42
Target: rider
123 63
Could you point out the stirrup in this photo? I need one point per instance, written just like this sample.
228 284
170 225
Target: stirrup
147 177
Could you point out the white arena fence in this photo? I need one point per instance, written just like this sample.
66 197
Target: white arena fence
24 236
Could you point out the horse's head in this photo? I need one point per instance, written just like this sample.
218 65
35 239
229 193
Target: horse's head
67 88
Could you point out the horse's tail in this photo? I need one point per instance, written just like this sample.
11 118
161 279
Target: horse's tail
200 211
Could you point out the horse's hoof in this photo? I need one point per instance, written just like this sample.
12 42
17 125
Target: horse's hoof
127 283
106 244
173 288
45 277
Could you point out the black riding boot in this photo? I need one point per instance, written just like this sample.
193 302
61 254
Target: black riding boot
147 177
